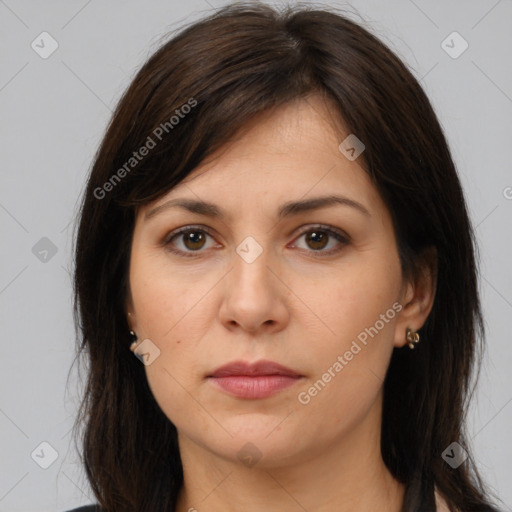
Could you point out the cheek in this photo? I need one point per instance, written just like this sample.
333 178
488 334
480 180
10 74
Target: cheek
351 362
173 376
175 395
355 298
174 310
166 298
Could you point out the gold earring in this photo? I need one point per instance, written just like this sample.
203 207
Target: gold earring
134 342
412 337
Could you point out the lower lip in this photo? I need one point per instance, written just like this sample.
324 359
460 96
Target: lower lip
261 386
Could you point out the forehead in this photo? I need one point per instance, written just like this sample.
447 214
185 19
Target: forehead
301 128
290 152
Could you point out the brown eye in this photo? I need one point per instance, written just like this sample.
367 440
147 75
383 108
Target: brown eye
187 241
317 239
193 240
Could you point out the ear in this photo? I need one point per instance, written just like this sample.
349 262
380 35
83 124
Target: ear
132 323
130 313
417 296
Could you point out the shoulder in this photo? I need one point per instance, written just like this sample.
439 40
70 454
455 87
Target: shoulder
86 508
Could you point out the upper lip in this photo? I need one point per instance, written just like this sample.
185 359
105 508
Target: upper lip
253 369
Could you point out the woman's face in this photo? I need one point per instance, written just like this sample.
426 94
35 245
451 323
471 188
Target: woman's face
317 290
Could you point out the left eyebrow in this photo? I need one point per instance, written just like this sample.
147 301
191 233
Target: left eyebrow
286 210
296 207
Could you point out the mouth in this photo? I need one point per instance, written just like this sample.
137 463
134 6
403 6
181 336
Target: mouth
253 381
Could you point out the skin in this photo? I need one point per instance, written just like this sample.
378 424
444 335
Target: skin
290 305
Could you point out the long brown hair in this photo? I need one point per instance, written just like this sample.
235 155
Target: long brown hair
242 60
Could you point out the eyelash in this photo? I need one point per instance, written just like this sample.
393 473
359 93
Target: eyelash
343 238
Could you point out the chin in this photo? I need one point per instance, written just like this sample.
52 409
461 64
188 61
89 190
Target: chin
257 441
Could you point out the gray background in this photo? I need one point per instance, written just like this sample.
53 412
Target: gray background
54 112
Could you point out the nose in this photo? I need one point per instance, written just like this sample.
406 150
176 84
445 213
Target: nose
255 296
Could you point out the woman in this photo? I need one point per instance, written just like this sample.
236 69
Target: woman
274 226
